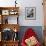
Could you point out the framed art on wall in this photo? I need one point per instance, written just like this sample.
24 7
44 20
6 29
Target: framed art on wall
5 12
30 13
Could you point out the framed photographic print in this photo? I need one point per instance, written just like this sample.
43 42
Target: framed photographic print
5 12
30 13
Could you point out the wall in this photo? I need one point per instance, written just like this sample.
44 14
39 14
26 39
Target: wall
39 13
25 3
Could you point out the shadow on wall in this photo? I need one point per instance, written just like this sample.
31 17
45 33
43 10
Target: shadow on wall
37 29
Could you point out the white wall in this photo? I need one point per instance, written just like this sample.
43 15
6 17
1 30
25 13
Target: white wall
39 12
27 3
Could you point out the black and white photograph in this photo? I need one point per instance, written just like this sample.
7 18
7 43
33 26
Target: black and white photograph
30 13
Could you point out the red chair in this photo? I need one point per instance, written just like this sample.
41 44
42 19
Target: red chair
29 33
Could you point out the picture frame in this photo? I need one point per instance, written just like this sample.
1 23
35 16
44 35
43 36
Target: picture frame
30 13
5 12
13 12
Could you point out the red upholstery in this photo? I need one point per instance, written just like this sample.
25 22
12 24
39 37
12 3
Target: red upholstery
29 33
